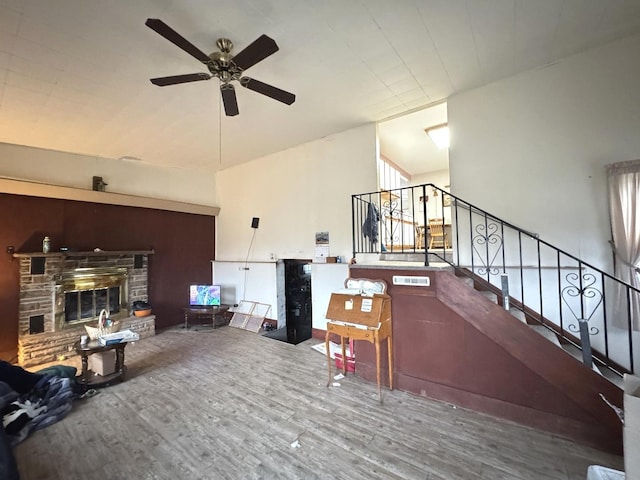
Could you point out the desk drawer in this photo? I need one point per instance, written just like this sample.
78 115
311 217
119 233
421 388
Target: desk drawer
351 332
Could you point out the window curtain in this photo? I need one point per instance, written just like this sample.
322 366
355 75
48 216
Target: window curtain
624 188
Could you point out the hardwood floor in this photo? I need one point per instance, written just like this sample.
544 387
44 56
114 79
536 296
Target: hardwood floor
231 404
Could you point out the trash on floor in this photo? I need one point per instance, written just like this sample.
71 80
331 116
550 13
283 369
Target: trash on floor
333 348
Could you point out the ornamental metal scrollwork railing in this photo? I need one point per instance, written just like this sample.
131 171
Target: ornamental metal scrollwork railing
391 215
581 288
487 236
550 286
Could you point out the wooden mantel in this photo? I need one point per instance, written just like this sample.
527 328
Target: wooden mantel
93 253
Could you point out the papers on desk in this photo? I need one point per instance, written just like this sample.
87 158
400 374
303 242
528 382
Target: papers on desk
118 337
364 286
354 325
367 304
348 291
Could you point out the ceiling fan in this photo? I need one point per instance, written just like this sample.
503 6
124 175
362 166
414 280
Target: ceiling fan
224 66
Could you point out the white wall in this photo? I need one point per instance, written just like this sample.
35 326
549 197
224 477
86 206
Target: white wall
295 193
325 278
126 177
440 178
257 284
532 148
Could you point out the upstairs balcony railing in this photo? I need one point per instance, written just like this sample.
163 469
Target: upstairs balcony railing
583 305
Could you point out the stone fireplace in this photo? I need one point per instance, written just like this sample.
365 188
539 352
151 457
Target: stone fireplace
61 292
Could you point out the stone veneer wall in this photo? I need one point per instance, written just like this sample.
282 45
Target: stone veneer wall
37 298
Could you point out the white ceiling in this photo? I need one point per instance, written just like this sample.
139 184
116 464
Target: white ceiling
74 74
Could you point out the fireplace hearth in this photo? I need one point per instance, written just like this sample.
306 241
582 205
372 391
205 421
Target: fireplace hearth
61 292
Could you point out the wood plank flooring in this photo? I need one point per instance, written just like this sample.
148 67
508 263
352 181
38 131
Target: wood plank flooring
229 404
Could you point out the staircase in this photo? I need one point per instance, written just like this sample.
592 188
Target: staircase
454 342
510 326
545 332
579 308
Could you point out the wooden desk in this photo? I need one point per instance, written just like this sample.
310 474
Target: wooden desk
372 324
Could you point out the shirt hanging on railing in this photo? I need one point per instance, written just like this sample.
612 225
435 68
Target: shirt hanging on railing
370 225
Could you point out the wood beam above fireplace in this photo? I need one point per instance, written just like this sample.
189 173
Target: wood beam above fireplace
100 253
33 189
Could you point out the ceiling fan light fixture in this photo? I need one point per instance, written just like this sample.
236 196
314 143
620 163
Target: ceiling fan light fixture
439 135
223 65
224 44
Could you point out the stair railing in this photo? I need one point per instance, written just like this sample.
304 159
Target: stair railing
550 286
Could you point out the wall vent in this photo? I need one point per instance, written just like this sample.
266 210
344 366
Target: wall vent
411 281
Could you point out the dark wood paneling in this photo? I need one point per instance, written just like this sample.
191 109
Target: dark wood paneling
184 246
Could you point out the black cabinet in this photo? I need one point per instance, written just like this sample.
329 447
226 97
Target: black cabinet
297 284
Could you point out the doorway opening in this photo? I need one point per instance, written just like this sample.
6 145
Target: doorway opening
407 154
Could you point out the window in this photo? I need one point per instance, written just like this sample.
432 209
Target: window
390 177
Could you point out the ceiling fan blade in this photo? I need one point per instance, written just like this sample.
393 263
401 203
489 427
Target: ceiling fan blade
260 49
268 90
229 100
174 37
175 79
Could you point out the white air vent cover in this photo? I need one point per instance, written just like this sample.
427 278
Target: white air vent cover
411 281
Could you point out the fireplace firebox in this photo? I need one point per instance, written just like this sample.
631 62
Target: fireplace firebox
81 293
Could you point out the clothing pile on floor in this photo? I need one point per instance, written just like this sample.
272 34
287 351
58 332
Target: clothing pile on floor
28 402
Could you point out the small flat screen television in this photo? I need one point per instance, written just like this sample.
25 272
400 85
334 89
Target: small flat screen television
204 295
